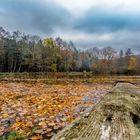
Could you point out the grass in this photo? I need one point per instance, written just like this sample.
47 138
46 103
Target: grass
66 78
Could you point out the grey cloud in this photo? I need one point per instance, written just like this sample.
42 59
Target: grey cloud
101 20
120 40
49 18
124 27
33 15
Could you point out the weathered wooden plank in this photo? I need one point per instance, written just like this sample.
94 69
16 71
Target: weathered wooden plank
115 117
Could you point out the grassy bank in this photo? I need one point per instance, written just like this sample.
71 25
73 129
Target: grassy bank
66 78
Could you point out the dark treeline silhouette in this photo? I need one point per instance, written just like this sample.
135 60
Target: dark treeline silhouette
20 52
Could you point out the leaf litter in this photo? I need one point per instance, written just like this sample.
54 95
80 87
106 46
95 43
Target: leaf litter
40 110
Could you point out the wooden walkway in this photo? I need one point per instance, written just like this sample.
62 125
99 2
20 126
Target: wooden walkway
115 117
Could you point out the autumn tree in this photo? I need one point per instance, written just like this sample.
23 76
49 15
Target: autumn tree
20 52
52 52
107 60
132 65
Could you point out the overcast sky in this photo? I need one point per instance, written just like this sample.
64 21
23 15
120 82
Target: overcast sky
88 23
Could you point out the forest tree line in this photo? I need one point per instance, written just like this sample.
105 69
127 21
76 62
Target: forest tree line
20 52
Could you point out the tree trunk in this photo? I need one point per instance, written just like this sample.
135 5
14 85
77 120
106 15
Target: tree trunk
15 65
115 117
19 67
